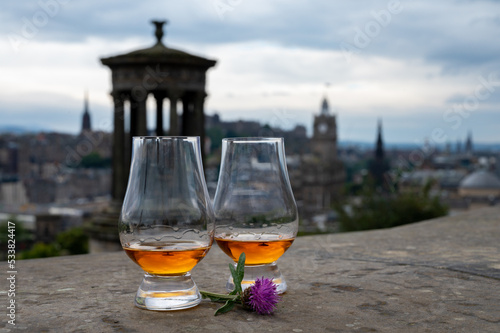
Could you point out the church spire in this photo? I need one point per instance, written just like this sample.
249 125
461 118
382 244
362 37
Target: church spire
379 166
86 115
468 143
86 101
379 149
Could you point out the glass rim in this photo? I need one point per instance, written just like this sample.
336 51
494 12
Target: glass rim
165 137
259 139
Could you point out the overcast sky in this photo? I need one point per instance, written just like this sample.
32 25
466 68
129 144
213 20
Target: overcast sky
428 69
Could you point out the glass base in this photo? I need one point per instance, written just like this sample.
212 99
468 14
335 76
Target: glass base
270 271
167 293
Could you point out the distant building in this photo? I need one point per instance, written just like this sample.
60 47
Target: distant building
296 140
480 186
324 140
12 190
86 126
50 224
458 148
379 165
463 159
69 185
462 178
446 181
318 178
12 194
48 168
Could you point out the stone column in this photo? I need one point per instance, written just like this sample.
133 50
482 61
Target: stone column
132 118
119 165
138 121
199 119
173 96
128 136
142 124
159 96
188 115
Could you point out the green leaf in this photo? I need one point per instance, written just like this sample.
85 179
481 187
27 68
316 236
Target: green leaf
233 274
215 297
234 296
238 274
211 297
225 308
240 268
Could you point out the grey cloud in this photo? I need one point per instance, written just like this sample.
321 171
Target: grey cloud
438 32
456 35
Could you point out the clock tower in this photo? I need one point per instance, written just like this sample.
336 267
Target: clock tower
322 173
324 139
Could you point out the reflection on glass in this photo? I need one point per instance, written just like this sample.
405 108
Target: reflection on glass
166 223
254 207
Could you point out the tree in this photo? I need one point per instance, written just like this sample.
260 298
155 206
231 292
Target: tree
16 232
40 250
69 242
216 134
74 241
376 211
94 160
20 232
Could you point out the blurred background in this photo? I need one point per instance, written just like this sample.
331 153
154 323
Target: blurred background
389 109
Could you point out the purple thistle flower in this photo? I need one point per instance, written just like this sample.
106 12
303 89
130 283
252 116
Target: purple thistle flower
262 296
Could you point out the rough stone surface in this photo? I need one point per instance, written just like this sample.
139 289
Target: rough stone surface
441 275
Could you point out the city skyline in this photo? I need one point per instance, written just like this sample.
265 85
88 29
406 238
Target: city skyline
428 70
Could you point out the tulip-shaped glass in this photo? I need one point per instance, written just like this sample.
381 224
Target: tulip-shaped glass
255 211
166 223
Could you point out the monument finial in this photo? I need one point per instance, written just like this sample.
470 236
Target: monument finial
159 30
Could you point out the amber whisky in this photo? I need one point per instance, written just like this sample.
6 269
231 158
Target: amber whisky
257 252
166 258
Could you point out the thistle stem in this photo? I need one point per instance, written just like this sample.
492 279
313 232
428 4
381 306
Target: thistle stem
222 297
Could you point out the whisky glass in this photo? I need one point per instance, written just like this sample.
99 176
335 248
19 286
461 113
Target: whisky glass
166 223
255 211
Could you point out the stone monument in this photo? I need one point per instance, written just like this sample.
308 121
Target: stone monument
164 73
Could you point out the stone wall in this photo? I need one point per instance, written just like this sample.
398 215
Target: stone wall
441 275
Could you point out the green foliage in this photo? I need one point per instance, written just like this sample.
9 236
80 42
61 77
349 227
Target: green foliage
74 241
238 273
13 233
378 211
216 134
94 160
40 250
234 296
21 234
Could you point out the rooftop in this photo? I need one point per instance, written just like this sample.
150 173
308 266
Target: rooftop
481 179
441 275
158 53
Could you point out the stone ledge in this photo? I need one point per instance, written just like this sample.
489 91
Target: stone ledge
435 276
